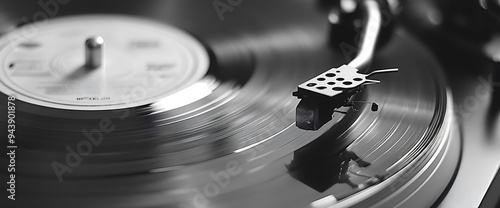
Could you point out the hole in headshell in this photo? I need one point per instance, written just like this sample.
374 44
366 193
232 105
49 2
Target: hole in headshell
321 87
357 79
311 84
330 74
321 79
347 83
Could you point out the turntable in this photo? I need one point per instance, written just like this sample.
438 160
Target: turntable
192 104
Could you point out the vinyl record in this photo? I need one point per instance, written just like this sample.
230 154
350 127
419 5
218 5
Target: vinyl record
219 130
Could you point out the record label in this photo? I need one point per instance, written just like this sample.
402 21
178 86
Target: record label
142 61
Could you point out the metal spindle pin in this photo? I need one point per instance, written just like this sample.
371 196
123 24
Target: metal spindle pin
94 52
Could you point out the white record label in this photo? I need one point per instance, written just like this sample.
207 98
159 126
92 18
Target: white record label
143 61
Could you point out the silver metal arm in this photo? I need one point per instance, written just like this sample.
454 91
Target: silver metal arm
369 35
